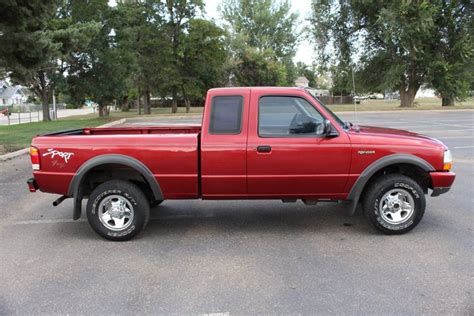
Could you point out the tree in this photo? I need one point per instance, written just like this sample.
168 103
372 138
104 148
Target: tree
262 32
35 40
304 70
26 47
257 68
204 56
101 70
397 40
140 29
179 13
264 24
452 69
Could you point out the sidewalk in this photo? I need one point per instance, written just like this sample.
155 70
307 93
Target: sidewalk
25 117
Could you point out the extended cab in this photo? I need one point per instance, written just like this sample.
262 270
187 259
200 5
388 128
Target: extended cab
254 143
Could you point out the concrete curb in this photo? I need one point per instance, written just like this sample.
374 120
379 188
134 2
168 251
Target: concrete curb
14 154
24 151
118 122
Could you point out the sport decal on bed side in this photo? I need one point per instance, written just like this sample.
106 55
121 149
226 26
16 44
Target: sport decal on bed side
53 153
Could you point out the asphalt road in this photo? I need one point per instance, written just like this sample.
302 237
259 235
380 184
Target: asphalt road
245 257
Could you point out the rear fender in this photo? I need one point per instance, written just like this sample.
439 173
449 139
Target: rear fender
76 182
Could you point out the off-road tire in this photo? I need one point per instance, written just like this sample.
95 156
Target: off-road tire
127 190
376 191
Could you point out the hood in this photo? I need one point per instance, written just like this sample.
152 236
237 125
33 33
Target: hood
381 133
387 131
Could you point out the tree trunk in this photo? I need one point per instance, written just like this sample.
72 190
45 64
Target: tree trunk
148 100
125 106
139 104
45 105
174 104
103 110
146 103
188 104
42 90
408 95
447 101
186 100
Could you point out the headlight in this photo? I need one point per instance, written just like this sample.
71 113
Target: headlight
447 160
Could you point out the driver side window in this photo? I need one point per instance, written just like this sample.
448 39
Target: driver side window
285 116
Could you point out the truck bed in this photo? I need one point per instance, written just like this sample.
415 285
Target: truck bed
170 152
185 129
189 129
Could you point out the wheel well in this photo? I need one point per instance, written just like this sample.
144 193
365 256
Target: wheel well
416 173
106 172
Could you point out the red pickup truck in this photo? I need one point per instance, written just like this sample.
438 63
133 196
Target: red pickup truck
254 143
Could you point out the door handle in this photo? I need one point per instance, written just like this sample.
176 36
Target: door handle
264 149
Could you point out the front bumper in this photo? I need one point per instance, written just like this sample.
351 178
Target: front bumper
441 181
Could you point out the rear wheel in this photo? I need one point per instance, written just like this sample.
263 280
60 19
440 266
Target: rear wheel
394 204
118 210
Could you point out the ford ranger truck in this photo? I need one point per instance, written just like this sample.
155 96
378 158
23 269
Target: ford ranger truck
253 143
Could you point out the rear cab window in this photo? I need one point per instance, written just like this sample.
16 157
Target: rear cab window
226 115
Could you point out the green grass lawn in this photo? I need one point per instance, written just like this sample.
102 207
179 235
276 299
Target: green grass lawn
116 115
16 137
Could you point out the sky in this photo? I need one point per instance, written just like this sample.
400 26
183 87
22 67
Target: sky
304 51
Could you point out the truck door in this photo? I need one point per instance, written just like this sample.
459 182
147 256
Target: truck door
287 153
224 144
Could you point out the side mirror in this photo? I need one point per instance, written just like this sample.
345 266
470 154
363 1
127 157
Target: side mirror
302 124
327 128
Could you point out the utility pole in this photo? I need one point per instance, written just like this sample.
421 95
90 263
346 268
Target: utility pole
354 94
55 116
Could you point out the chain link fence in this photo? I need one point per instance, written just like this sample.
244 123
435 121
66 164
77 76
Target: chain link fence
21 114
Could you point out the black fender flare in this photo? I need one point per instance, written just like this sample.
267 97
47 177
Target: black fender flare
359 185
75 185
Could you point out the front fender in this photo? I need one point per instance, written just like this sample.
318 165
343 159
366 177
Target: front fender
359 185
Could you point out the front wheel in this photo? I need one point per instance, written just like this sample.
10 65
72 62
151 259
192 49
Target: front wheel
394 204
118 210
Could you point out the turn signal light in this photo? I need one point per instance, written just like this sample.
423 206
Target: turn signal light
35 158
447 160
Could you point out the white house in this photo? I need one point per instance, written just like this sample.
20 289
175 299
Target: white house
10 95
425 92
301 82
319 92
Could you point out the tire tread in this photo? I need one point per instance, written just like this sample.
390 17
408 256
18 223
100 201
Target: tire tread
377 187
124 186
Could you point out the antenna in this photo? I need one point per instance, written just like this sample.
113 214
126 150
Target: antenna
353 96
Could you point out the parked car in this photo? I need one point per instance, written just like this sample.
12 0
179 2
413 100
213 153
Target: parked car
375 96
359 99
5 112
254 143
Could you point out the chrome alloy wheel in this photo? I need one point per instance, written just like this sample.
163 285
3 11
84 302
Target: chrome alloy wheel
116 212
396 206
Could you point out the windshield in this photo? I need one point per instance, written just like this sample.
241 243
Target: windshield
334 116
